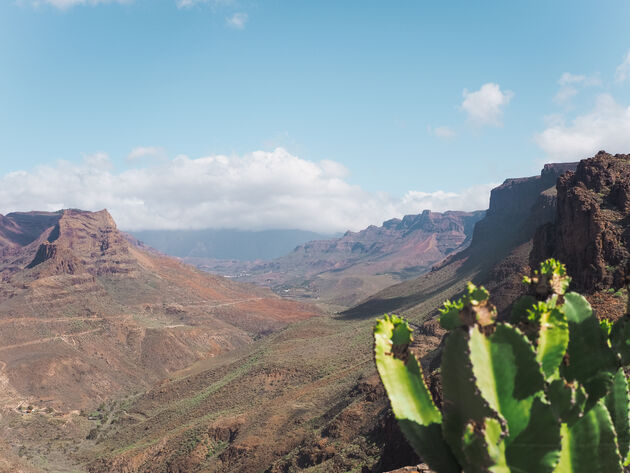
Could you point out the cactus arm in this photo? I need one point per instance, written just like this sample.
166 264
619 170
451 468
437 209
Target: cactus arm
553 340
507 374
592 361
510 379
519 312
537 448
462 401
589 445
411 401
617 404
484 447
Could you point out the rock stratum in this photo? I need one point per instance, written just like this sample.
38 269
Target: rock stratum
497 255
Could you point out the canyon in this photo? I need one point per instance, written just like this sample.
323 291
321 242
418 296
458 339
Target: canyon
135 362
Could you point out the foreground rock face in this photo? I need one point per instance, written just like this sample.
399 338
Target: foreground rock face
86 313
592 229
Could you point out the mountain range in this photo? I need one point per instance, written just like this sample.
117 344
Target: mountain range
293 391
339 272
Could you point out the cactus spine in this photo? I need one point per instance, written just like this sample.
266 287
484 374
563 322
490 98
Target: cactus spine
545 393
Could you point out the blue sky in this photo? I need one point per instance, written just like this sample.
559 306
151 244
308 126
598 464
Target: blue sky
396 104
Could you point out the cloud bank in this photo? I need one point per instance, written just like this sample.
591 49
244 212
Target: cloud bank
261 190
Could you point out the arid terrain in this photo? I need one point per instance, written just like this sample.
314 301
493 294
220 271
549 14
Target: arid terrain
86 314
283 390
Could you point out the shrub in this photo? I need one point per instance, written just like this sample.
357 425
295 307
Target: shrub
544 393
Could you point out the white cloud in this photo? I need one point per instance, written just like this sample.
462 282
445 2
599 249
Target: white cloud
237 20
99 161
607 127
567 78
260 190
471 198
186 3
485 106
621 74
443 132
571 83
146 152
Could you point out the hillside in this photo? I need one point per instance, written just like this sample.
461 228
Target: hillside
340 272
86 315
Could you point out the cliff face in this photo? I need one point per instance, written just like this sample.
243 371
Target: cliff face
517 208
591 234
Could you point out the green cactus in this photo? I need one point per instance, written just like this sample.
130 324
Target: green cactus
545 393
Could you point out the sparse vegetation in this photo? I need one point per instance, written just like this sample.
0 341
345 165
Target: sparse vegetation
544 393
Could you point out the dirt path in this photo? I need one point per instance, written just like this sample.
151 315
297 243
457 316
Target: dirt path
61 319
208 304
65 337
223 304
49 339
239 302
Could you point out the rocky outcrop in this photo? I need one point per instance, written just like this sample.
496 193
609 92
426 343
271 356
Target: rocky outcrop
591 234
